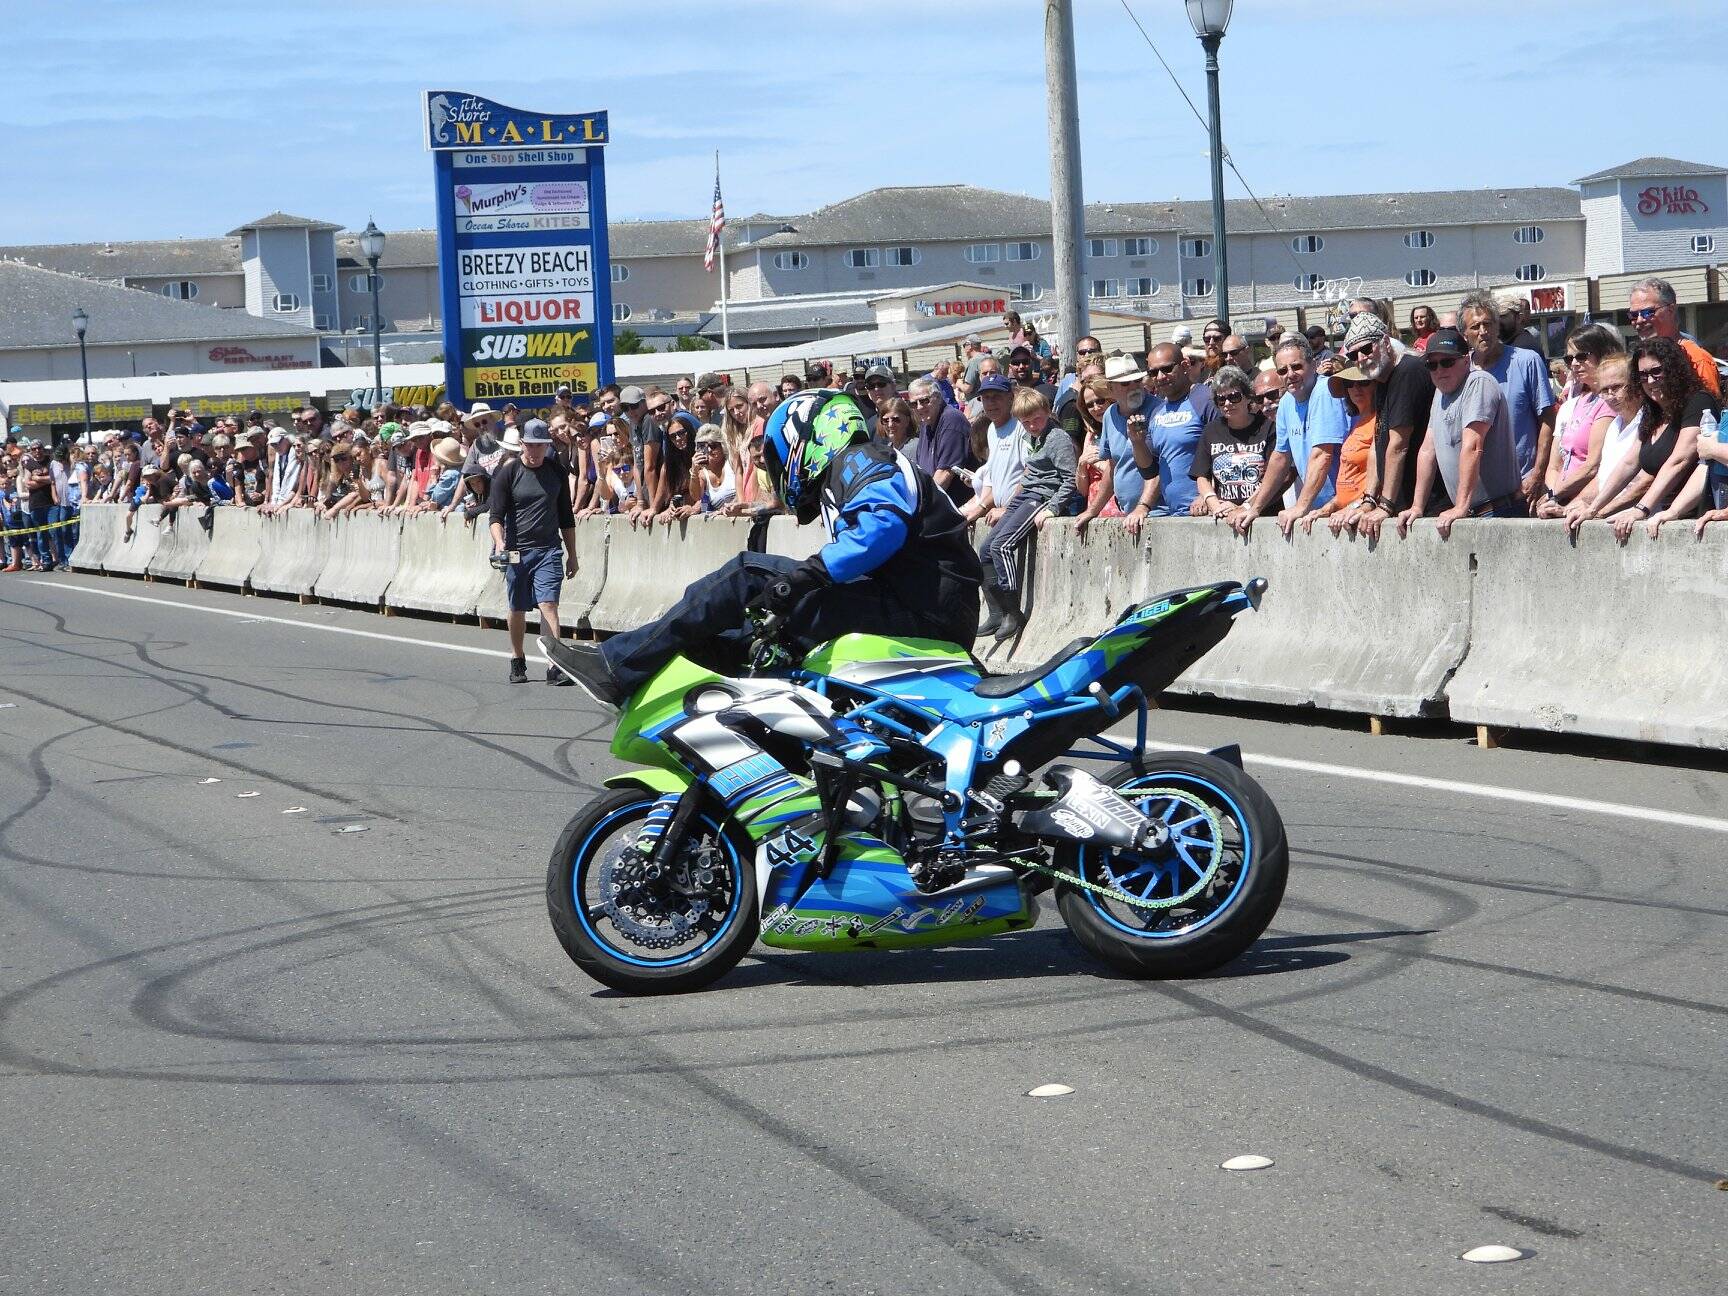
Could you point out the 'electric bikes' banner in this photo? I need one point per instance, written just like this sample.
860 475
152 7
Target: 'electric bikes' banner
524 270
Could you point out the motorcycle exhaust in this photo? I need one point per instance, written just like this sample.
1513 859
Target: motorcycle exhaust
1086 810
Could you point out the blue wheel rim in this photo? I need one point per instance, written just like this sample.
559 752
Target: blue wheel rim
579 904
1147 875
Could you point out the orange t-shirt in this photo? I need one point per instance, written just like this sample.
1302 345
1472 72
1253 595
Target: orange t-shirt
1353 460
1704 364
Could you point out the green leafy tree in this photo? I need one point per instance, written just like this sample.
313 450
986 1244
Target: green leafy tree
628 342
691 342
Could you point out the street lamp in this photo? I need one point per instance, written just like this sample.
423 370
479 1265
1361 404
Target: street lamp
1209 19
819 321
81 326
372 247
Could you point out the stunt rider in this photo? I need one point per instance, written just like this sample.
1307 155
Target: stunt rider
899 562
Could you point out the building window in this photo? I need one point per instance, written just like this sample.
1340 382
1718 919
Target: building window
1310 282
620 312
1419 239
1420 278
1195 248
321 321
285 303
180 290
864 258
1028 292
1307 243
983 253
904 256
1106 288
790 260
1531 273
1101 247
1142 287
1703 243
620 273
1198 286
357 283
320 283
362 324
1138 247
1023 251
1528 234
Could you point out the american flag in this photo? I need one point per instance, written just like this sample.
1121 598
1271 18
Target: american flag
715 226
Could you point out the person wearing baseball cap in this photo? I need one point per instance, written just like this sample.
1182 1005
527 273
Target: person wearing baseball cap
533 540
1403 396
1470 447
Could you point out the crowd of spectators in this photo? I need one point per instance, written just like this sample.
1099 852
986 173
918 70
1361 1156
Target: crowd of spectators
1459 415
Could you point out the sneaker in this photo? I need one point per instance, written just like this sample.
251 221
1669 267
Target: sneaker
557 678
518 670
586 666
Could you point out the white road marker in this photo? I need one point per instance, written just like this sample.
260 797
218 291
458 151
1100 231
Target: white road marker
1248 1162
1485 791
295 810
244 795
351 828
1050 1091
208 781
1493 1254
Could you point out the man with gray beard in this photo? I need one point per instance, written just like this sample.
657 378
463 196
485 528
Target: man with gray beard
1403 395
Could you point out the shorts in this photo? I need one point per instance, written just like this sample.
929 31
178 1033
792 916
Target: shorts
536 579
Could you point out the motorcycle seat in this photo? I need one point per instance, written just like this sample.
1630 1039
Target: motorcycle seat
1001 686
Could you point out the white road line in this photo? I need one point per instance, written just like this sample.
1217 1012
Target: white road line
1487 792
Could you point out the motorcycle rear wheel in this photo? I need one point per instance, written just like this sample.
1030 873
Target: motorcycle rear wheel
1216 885
669 953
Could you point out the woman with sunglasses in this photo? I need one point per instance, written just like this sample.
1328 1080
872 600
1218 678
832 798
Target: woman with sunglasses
894 422
1350 498
677 496
1090 480
1582 422
1673 405
713 479
1619 443
1233 448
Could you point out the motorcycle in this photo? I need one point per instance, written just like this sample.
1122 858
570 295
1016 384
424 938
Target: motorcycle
879 794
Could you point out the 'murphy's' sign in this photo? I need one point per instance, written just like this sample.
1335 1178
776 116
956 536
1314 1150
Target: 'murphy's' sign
523 265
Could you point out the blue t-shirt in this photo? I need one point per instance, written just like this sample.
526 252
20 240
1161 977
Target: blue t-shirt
1173 434
1523 378
1114 445
1320 420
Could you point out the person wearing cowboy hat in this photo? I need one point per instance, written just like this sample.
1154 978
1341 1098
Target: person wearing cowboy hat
1128 468
533 540
447 455
481 417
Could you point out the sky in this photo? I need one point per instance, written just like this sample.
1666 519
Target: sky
130 119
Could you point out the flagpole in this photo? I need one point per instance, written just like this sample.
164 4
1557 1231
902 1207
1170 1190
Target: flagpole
725 318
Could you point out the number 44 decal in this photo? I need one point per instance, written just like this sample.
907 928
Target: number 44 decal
788 846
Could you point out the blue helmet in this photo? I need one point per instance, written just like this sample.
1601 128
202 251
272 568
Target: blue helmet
801 439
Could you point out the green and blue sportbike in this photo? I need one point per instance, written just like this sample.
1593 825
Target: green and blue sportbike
884 793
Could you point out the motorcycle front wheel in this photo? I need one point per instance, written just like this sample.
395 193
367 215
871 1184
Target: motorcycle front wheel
637 929
1199 900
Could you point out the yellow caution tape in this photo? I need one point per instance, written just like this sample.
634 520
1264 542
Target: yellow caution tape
52 526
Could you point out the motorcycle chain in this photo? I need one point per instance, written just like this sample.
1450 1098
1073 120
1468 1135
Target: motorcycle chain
1123 897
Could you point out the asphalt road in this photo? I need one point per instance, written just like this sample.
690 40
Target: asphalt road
243 1051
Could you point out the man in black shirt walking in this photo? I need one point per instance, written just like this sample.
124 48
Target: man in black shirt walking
530 515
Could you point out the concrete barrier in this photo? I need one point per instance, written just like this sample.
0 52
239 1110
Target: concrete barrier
581 592
132 556
184 541
1080 584
1596 638
100 527
293 547
235 548
787 538
360 563
648 568
1346 625
441 566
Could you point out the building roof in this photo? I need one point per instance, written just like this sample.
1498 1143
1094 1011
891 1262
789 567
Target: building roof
941 213
282 220
1295 214
150 258
777 315
1640 168
36 308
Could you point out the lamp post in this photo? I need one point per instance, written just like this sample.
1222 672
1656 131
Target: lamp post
81 326
372 247
1210 18
819 321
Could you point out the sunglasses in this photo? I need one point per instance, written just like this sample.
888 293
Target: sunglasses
1360 382
1287 370
1234 351
1442 362
1650 375
883 382
706 446
1648 313
1228 398
659 409
1159 371
1269 398
1573 358
1361 352
1089 352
